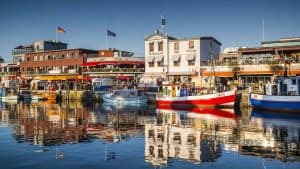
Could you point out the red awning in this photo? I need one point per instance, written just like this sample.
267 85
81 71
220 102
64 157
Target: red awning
129 62
120 62
125 77
108 63
90 64
85 78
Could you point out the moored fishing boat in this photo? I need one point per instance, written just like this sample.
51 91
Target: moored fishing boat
102 85
211 100
125 96
283 95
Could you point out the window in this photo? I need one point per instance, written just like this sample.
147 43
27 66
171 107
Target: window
151 47
160 46
60 57
191 44
74 55
151 64
176 46
210 44
68 55
41 58
160 64
54 57
176 63
191 62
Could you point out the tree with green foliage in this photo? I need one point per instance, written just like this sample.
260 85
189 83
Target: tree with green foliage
1 59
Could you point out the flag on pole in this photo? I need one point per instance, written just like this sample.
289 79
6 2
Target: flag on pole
110 33
60 30
162 21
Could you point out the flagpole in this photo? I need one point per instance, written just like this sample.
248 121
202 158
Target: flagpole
56 34
161 27
106 39
263 27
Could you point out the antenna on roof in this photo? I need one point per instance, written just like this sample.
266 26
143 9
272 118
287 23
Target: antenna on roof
162 23
263 29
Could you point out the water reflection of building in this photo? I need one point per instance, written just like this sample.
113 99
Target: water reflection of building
184 135
115 123
7 118
271 136
49 124
197 136
194 136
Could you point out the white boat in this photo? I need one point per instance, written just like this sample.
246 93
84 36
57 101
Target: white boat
125 96
9 98
283 95
102 85
4 96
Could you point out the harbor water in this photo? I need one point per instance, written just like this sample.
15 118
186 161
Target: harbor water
74 135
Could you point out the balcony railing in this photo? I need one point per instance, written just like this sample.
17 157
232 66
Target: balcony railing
114 70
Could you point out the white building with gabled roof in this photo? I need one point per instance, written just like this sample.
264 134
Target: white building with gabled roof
177 59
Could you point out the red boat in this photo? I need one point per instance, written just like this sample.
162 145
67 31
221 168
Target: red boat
209 100
203 112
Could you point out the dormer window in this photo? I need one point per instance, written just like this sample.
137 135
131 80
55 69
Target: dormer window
160 46
151 47
176 46
191 44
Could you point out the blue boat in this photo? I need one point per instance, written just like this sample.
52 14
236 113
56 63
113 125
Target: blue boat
102 85
283 95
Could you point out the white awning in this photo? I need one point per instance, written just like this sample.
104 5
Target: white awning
175 58
190 57
159 58
150 59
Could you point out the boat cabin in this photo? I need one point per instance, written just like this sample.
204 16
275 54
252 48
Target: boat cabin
38 84
284 86
102 84
128 93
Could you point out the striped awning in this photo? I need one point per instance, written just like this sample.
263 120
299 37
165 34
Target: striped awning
159 58
150 59
175 58
190 57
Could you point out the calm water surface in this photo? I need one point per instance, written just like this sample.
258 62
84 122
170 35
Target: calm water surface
46 135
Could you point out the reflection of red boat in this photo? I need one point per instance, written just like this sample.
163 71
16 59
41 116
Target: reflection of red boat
209 100
223 113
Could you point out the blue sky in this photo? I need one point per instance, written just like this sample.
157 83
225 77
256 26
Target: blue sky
232 22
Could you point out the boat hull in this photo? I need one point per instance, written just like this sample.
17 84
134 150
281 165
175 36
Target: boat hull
277 103
210 100
108 98
13 97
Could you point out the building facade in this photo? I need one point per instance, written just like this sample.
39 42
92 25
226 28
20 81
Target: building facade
55 61
19 52
178 59
229 56
258 65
